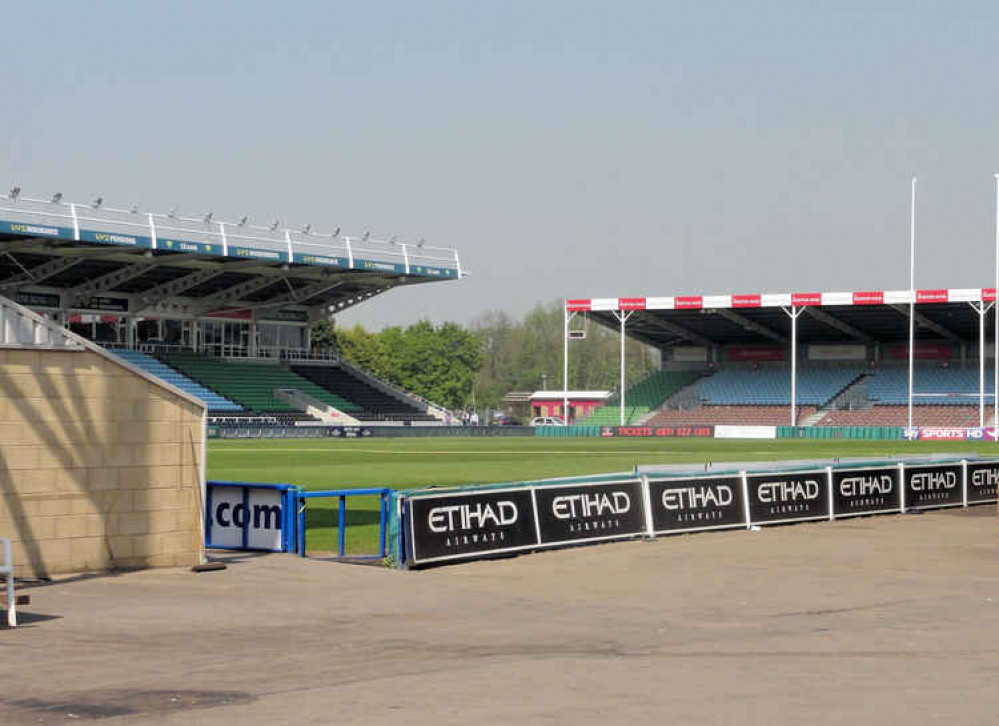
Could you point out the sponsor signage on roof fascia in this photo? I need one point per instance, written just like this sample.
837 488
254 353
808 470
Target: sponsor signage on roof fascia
983 478
115 238
170 244
326 260
378 265
696 504
447 527
258 254
36 230
37 299
788 496
858 492
933 486
577 513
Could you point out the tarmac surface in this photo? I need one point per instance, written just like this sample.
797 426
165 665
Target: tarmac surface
888 620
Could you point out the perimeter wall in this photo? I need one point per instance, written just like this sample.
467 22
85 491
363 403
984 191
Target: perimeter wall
100 467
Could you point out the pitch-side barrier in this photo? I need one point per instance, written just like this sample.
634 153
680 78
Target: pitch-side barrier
473 523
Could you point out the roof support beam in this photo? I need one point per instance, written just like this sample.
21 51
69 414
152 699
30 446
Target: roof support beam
823 317
152 297
744 322
677 330
38 273
301 296
232 294
924 322
108 282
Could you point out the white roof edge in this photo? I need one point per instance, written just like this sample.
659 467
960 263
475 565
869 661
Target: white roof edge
74 342
559 395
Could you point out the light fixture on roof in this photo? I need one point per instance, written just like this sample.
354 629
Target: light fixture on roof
306 228
336 231
97 203
57 197
15 192
172 214
208 218
134 209
275 224
366 236
393 240
421 242
242 220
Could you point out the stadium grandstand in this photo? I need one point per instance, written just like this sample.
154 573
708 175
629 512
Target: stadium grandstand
221 310
808 359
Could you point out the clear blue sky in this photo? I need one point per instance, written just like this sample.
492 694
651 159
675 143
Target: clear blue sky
566 148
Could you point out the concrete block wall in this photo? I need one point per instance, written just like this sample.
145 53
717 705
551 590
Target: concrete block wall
100 467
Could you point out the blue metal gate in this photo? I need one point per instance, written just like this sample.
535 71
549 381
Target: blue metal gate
341 495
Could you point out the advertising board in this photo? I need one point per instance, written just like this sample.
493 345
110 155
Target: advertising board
933 486
590 512
690 505
788 496
470 524
745 432
665 432
982 481
248 516
866 491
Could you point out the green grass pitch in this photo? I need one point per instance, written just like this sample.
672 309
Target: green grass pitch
413 463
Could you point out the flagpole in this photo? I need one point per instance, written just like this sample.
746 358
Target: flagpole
912 289
995 313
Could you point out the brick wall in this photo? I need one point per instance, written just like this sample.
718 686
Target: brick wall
100 467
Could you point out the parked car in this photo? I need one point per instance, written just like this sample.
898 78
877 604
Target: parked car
505 420
547 421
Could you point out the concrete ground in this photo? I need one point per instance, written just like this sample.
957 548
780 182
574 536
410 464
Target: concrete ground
872 621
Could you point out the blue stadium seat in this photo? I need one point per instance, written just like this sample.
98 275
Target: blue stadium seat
890 386
772 386
216 403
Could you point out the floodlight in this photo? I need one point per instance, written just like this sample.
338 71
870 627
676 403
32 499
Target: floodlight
421 242
57 197
336 231
134 209
366 236
208 218
15 192
96 204
172 214
392 240
306 228
242 220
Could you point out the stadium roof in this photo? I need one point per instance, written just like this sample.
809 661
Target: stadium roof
161 264
874 316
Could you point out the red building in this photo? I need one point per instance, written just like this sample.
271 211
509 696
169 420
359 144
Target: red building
581 403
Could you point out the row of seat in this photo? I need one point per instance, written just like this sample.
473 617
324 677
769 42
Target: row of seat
252 385
214 401
641 397
372 402
772 386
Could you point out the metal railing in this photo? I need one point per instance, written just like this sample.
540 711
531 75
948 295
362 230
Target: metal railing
341 496
58 218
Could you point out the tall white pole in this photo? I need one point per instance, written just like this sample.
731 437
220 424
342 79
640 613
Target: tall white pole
981 364
995 341
565 363
794 367
912 290
622 317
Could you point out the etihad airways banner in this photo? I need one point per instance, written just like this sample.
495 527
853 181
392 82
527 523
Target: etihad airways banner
454 526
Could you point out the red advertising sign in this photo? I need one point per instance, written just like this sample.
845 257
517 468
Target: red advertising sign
874 297
757 353
747 301
669 432
631 303
802 299
923 351
689 302
932 296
